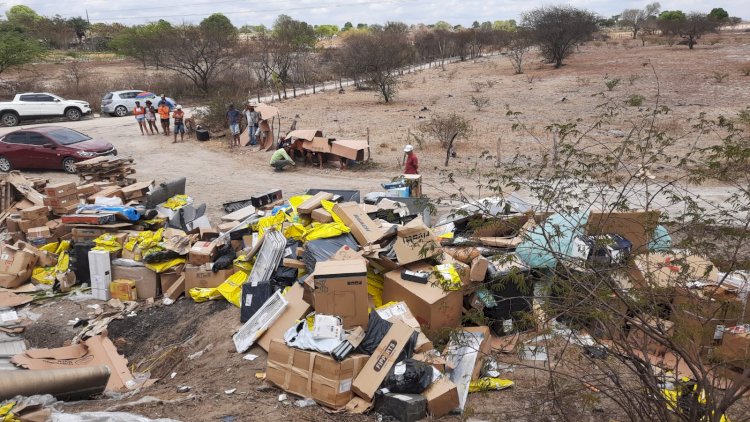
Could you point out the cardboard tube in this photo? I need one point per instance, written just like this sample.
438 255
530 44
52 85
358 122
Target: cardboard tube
64 384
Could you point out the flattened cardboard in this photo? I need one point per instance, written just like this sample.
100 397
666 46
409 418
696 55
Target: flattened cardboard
340 289
176 289
381 361
353 149
640 340
637 227
318 144
99 351
429 303
240 214
314 375
363 228
11 300
415 242
400 311
168 278
295 310
442 397
321 216
313 203
146 280
479 267
670 270
16 265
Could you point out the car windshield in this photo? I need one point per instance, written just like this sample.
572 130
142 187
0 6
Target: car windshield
108 96
67 136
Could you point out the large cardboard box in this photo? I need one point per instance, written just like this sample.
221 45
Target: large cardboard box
83 234
203 276
381 361
701 315
400 311
169 278
25 225
442 397
295 310
61 202
309 374
735 349
146 280
16 265
640 340
340 289
34 212
202 253
415 242
61 189
429 303
363 228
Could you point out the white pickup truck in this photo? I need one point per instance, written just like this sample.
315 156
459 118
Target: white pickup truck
36 105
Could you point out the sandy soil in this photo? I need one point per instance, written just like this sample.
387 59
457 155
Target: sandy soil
217 174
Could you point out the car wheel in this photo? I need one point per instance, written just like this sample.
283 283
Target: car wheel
73 114
121 111
69 165
9 119
5 165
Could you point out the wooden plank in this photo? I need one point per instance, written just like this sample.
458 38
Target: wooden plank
26 187
240 214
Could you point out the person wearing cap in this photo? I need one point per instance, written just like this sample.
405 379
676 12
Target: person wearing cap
179 123
233 118
163 111
281 158
412 163
252 123
140 116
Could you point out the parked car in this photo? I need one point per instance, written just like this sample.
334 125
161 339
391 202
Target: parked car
49 147
120 103
35 105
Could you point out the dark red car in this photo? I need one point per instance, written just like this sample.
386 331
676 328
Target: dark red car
49 147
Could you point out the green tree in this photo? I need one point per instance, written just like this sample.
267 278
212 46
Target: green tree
80 26
718 13
218 23
326 31
347 26
475 24
445 26
298 35
558 29
509 25
361 26
17 50
22 16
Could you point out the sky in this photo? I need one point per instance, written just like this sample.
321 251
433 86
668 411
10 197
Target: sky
337 12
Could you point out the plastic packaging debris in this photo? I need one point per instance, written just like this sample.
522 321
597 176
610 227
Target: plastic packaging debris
304 403
448 277
183 388
302 336
230 391
283 397
661 240
535 353
463 354
488 384
250 357
401 407
408 376
203 294
552 239
324 249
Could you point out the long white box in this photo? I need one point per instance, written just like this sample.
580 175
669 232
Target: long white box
101 274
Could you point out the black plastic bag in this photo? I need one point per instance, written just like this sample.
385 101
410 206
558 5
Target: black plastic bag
323 249
377 328
160 256
286 276
225 258
408 377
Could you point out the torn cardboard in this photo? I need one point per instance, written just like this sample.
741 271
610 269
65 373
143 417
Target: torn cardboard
415 242
364 229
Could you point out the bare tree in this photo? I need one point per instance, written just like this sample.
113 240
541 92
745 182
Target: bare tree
696 25
636 18
76 72
557 30
446 129
520 44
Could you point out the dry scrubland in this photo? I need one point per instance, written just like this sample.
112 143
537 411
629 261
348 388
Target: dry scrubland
544 96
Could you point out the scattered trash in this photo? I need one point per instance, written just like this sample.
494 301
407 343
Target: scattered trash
283 397
183 388
305 403
230 391
250 357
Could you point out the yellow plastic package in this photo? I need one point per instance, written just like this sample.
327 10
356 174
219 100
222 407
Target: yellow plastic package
107 242
265 223
448 277
231 288
375 288
160 267
203 294
488 384
324 231
176 202
242 263
47 275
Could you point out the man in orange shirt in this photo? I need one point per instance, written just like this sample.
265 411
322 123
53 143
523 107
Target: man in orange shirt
164 116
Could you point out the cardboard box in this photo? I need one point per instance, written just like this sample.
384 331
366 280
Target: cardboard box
61 201
146 280
485 347
124 290
381 361
415 242
353 149
202 253
110 192
309 374
25 225
168 278
340 289
295 310
640 340
363 228
399 311
442 397
137 190
57 228
68 209
60 189
84 234
429 303
34 212
735 349
87 189
208 234
202 276
319 144
38 233
176 289
313 203
321 216
479 267
16 265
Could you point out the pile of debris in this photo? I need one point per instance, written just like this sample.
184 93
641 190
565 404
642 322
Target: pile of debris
113 170
340 294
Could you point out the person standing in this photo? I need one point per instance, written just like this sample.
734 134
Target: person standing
179 123
140 116
151 117
164 116
412 163
233 118
281 158
252 124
